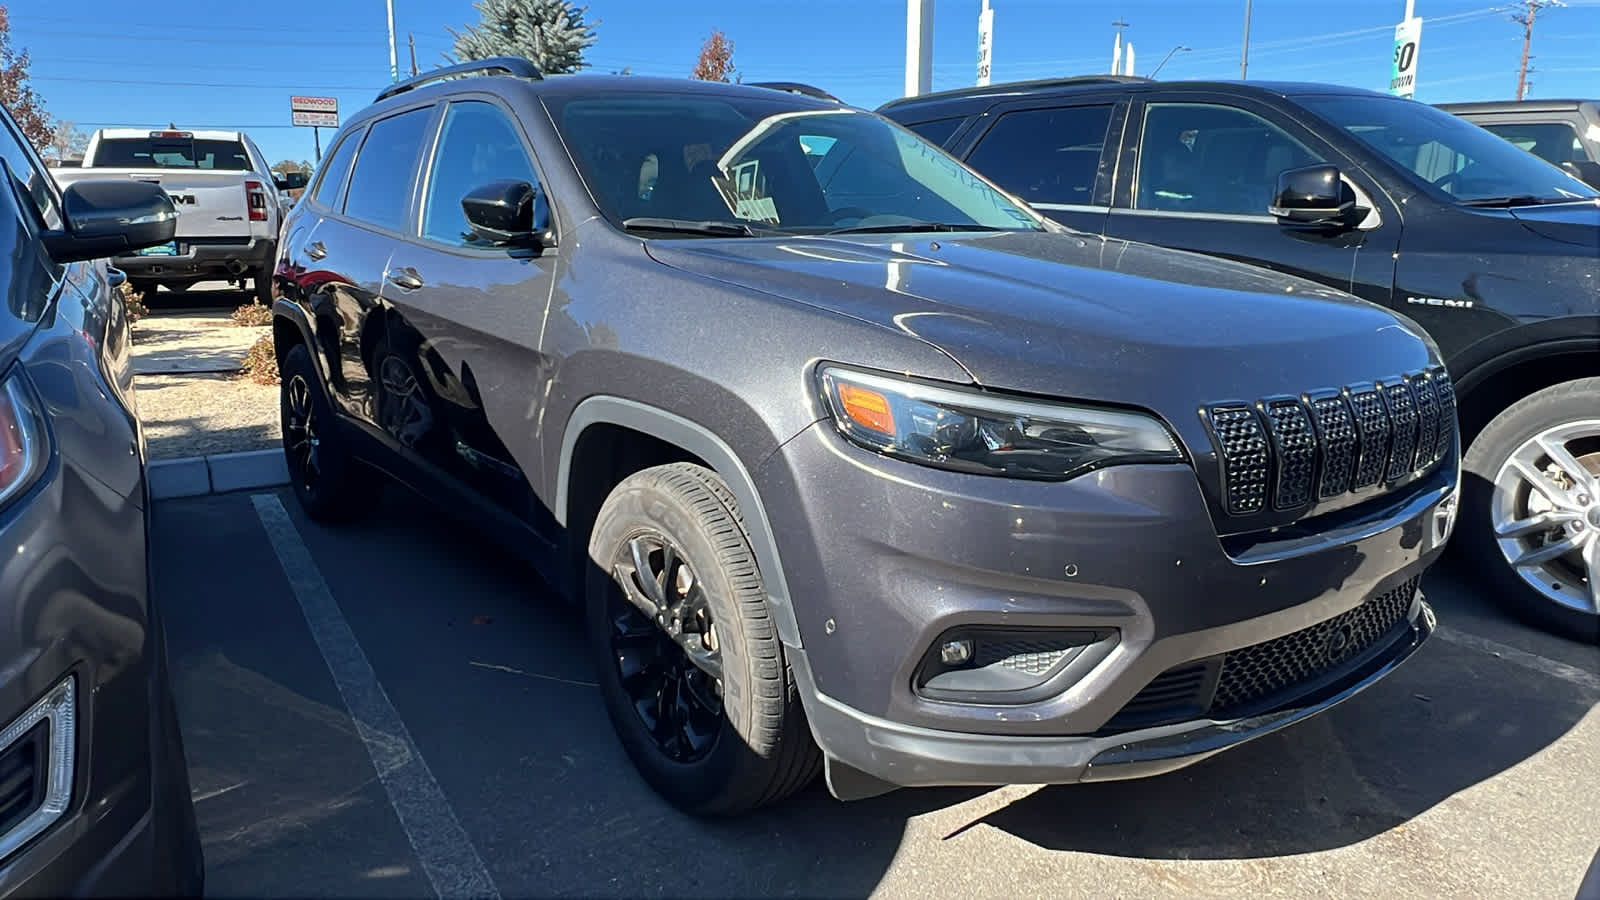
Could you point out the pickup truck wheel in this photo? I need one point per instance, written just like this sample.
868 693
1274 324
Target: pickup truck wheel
330 483
145 288
261 288
1531 508
690 666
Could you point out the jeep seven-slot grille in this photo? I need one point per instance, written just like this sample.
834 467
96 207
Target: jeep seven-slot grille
1272 672
1294 451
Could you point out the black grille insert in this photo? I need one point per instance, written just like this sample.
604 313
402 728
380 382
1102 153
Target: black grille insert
1291 452
22 777
1269 668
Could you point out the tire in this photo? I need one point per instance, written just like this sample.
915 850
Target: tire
330 482
147 288
757 748
1549 595
261 288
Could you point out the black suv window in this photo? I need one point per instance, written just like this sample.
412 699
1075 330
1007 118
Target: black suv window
1046 155
477 145
939 130
331 176
1555 142
1200 157
380 186
29 178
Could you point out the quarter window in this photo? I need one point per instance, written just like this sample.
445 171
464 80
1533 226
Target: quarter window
333 171
1198 157
380 185
1046 155
938 131
478 145
1553 142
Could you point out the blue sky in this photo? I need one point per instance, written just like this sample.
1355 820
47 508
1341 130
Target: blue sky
226 65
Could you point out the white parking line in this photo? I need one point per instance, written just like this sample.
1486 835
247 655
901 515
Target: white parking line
451 862
1544 665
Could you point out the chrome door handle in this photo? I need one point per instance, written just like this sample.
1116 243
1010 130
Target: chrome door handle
315 250
404 277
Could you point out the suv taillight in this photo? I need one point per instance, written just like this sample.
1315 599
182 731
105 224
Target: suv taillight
258 201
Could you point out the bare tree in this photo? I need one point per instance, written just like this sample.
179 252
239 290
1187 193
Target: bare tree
716 58
16 93
66 141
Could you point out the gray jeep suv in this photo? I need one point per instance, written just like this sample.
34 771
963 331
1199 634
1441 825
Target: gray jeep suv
888 476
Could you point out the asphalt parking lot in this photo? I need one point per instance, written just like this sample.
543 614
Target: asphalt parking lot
480 760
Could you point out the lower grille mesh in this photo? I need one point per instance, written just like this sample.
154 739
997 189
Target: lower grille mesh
1028 657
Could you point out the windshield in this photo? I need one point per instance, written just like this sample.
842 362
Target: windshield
171 153
1449 154
768 167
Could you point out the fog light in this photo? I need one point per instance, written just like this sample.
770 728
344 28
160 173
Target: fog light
955 653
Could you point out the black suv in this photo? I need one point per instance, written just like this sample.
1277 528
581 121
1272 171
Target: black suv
898 476
1494 251
1565 133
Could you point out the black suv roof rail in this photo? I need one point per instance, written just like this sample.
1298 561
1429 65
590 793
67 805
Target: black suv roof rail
795 87
515 66
1007 86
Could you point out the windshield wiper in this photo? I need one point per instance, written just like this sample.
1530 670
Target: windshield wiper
1516 200
910 227
689 226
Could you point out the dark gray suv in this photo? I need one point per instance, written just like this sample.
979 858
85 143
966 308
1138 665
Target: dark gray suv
890 476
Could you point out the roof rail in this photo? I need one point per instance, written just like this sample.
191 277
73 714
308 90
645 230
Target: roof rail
515 66
1000 87
795 87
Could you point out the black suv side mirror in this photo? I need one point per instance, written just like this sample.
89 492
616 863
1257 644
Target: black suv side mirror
290 181
508 213
1585 170
107 218
1313 195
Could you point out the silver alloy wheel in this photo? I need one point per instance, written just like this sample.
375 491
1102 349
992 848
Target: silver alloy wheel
1546 513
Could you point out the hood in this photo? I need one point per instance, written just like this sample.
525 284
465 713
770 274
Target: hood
1571 223
1072 316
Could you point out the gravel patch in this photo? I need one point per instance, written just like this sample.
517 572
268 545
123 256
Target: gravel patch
201 414
189 344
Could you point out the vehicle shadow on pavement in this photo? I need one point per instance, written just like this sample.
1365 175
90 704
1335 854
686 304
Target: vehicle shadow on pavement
1450 718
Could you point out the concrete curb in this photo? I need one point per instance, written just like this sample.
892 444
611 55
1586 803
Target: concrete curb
219 473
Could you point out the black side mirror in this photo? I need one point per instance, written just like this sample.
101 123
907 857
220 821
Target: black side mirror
1585 170
1313 195
508 213
290 181
108 218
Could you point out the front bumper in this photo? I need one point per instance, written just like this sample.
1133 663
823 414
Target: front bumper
198 261
884 560
73 579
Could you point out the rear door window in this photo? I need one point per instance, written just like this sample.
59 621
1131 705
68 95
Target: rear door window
1046 156
380 184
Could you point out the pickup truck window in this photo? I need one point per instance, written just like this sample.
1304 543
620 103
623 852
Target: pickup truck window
171 153
1201 157
1449 156
1046 155
1553 142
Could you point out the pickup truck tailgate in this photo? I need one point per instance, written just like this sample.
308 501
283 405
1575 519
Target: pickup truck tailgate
209 204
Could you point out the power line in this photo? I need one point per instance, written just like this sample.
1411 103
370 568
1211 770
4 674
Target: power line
212 84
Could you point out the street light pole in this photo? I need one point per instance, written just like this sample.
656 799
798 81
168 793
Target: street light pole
1164 59
1244 56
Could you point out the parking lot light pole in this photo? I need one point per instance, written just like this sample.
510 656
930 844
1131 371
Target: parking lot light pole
1244 55
1164 59
394 64
919 47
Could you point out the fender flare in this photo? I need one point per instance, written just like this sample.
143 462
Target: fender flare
698 440
283 309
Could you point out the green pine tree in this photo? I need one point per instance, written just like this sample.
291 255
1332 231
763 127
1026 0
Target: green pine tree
551 33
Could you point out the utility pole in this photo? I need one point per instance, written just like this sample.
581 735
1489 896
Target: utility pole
411 39
919 47
1525 19
394 66
1244 55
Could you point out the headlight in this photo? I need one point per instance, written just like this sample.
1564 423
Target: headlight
969 431
24 442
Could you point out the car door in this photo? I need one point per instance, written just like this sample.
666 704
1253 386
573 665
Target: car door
1199 171
1053 155
465 319
347 252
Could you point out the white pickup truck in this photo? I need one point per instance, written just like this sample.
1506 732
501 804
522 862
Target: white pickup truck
228 203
